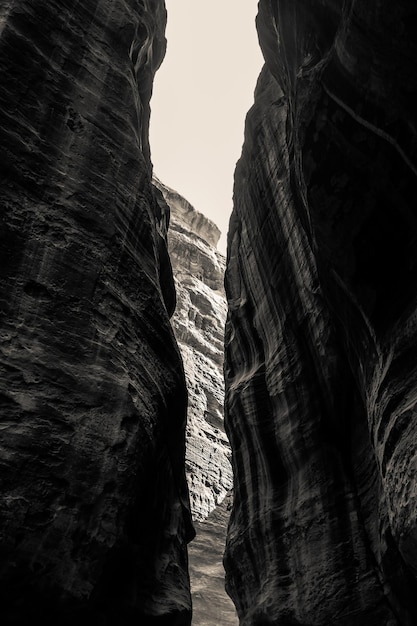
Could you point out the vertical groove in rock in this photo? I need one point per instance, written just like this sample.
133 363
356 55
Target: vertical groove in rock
95 507
320 378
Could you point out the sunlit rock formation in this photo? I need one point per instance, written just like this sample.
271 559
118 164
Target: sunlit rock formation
199 327
94 503
321 376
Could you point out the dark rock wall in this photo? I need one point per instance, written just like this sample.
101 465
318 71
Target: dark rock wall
211 604
94 503
321 337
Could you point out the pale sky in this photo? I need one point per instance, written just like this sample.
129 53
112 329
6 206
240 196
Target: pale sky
201 95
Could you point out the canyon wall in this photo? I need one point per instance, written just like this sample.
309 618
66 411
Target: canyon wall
94 502
198 324
321 336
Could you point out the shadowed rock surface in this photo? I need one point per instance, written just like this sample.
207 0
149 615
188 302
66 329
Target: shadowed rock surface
94 503
198 324
321 337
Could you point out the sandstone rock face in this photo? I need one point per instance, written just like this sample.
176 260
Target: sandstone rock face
199 327
321 378
211 604
94 503
198 323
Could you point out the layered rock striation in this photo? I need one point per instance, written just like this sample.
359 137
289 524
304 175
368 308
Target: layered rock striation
198 324
94 503
321 380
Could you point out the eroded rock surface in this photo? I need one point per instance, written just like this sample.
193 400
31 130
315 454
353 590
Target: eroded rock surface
321 377
211 604
94 503
199 327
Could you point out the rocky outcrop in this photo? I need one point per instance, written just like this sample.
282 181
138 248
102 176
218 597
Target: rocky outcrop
321 382
199 327
94 503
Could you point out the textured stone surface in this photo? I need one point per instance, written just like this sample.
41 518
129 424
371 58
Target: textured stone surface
199 327
321 379
94 503
211 604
